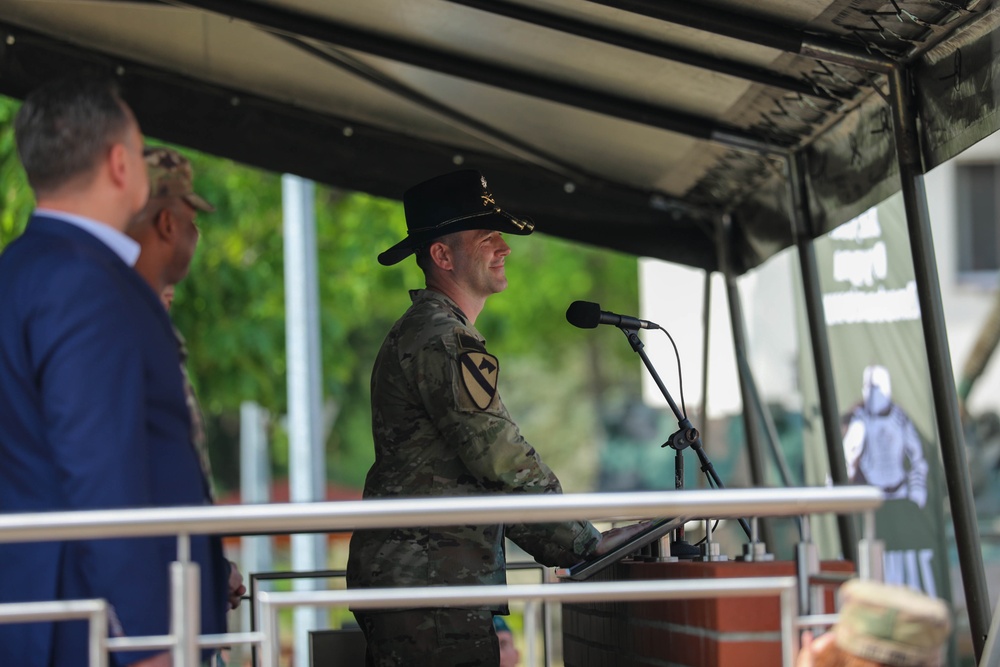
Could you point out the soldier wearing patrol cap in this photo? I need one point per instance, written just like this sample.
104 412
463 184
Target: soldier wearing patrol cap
441 429
166 225
882 625
167 235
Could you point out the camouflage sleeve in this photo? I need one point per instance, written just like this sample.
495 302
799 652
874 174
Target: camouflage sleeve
461 395
547 542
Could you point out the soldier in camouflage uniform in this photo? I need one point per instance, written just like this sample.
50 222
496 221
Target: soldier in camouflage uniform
441 429
166 232
881 625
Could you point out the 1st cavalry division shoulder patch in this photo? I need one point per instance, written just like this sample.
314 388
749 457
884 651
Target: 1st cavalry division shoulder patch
479 375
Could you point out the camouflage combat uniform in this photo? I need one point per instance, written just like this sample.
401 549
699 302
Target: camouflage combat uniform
441 429
197 419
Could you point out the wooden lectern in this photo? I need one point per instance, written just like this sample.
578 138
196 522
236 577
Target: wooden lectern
719 632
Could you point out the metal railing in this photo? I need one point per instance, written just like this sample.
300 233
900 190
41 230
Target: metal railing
183 522
95 611
784 587
531 607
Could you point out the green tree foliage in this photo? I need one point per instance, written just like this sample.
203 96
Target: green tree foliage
16 199
231 310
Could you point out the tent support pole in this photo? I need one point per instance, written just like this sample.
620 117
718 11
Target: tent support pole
751 419
822 363
767 422
938 359
706 323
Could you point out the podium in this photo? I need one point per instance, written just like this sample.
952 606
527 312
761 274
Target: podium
718 632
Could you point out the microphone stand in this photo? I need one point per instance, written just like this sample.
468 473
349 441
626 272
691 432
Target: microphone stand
686 436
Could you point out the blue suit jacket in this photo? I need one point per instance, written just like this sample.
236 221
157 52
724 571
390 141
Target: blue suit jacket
92 416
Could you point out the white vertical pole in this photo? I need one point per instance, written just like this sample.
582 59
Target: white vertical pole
256 552
185 605
307 466
255 483
531 613
98 636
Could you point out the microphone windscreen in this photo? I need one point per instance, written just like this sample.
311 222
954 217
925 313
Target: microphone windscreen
584 314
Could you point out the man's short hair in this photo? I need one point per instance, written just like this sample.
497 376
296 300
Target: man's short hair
423 252
423 257
65 127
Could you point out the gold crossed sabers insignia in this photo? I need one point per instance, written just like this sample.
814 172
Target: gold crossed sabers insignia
522 225
488 199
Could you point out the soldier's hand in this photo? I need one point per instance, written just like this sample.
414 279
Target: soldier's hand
616 536
811 648
236 588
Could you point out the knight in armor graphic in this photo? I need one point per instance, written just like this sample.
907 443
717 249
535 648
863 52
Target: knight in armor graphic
881 444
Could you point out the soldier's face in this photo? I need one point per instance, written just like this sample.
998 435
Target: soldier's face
479 261
185 239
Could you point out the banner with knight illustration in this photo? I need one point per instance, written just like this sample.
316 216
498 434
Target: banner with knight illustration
884 394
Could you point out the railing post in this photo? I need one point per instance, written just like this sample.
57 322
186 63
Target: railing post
185 609
267 622
549 624
789 612
871 551
98 631
530 632
806 565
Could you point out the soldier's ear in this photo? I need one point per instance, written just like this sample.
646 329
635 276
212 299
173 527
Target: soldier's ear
441 255
165 224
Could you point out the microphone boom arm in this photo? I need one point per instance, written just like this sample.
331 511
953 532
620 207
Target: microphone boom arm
686 435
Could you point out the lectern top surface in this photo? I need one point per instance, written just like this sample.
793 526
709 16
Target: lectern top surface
587 568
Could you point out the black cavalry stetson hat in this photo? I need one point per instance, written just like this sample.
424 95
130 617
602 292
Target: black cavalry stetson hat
450 203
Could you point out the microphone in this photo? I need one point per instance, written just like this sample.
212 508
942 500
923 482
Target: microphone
587 315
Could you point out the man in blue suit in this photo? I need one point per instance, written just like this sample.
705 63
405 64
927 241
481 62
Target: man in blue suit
92 406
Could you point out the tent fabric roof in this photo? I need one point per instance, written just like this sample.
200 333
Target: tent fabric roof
630 124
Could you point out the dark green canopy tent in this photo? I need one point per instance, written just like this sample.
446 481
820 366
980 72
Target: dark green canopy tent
711 133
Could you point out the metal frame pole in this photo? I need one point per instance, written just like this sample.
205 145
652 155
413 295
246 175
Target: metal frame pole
706 318
751 421
822 363
770 430
991 653
938 360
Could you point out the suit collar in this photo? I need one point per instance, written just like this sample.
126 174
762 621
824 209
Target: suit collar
46 224
121 244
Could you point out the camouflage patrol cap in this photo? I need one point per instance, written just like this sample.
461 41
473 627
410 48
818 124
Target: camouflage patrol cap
892 625
170 175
